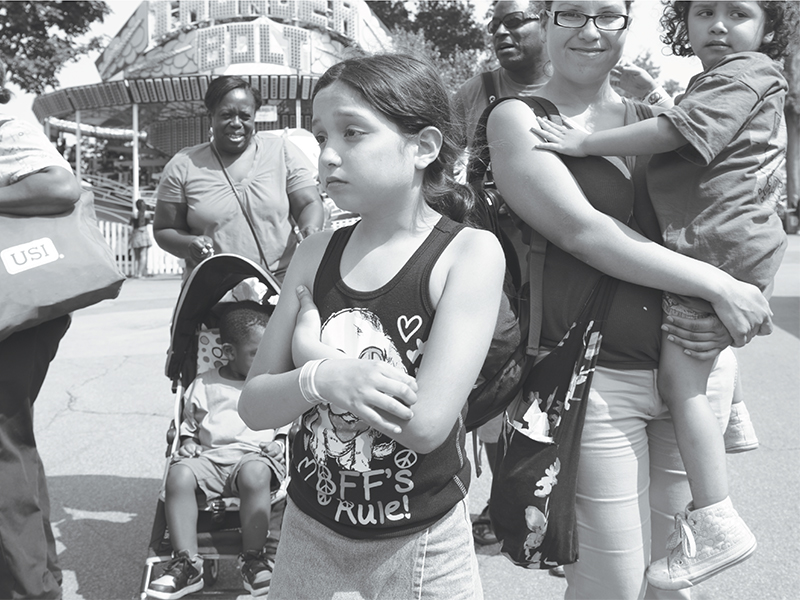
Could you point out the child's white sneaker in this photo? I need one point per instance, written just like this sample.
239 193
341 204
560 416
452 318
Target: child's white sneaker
740 435
256 571
182 575
705 542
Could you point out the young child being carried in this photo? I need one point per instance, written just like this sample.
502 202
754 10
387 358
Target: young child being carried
220 456
408 300
713 177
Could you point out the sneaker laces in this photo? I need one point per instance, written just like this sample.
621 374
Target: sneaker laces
175 562
682 536
252 555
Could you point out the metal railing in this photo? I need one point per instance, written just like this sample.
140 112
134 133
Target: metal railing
159 262
113 201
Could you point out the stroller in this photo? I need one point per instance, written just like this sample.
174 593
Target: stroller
224 277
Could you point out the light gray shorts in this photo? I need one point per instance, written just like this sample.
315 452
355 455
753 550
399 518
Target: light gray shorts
214 481
685 307
438 563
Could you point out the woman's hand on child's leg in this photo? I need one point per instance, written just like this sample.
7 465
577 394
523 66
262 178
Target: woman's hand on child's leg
375 391
702 339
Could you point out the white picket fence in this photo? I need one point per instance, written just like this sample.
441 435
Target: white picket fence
159 262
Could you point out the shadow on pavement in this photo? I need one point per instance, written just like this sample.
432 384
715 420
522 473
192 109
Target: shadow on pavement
102 526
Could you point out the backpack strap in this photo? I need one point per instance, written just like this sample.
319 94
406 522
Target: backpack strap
488 86
479 169
537 245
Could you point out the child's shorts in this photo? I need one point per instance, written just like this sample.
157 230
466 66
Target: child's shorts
685 307
214 480
438 563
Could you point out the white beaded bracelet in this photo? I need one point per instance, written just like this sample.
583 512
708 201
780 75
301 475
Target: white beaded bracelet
307 386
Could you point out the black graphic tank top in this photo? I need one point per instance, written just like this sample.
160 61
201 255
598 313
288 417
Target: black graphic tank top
346 475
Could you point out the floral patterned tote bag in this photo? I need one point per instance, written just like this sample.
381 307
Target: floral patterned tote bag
532 506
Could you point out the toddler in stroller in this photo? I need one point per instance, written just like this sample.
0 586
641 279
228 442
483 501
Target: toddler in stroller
216 456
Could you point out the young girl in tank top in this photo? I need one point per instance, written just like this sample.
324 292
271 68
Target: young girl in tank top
407 301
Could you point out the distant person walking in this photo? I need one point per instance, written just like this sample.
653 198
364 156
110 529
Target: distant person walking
140 239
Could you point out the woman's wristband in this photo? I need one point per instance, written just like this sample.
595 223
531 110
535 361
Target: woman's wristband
656 96
307 384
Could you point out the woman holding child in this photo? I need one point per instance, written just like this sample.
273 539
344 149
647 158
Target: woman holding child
598 219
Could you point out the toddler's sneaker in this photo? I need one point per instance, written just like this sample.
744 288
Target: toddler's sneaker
181 576
740 436
256 572
705 541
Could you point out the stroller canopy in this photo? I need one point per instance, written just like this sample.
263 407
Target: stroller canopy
205 287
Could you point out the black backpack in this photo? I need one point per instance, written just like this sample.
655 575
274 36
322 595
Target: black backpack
508 361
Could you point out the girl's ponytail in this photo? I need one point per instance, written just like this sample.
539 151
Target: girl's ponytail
442 192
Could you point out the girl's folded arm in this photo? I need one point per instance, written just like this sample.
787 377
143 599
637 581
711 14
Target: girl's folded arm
459 339
376 392
271 397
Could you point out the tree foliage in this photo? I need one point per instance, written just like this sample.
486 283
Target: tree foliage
454 69
441 31
38 38
392 13
449 25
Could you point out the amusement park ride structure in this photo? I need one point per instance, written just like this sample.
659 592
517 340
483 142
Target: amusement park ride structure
156 69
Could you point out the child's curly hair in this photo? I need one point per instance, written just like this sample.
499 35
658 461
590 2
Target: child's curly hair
238 320
782 19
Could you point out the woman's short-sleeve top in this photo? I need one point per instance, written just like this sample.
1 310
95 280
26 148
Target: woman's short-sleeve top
195 178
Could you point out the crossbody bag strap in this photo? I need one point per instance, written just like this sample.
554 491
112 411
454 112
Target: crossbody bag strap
241 207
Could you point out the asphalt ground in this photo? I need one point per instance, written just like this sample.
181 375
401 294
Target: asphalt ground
103 412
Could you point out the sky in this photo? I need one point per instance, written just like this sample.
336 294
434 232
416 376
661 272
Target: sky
643 36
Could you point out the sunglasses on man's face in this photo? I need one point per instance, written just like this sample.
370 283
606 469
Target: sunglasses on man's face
513 20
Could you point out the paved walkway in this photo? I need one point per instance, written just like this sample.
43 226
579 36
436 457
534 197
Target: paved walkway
105 407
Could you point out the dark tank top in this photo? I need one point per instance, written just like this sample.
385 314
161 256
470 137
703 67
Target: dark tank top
631 334
346 475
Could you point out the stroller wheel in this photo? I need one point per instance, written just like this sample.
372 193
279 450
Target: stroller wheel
210 571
